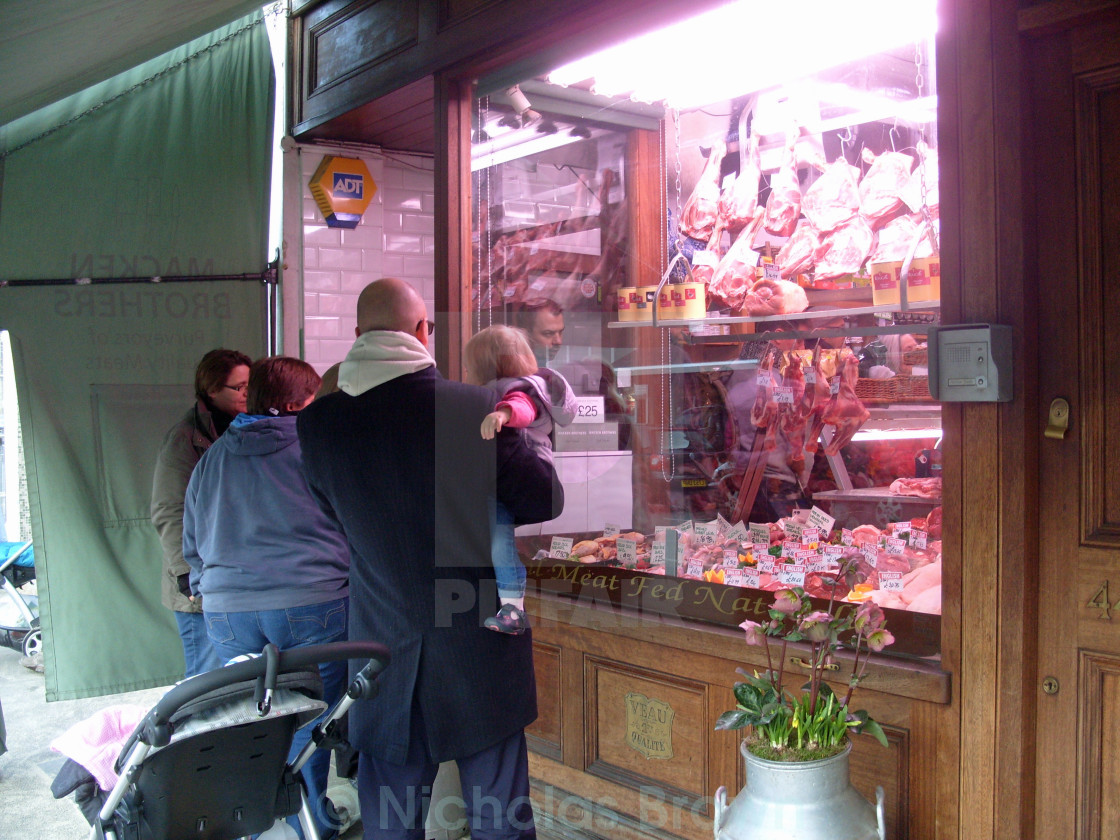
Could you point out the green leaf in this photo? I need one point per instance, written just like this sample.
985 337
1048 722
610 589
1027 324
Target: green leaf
873 729
733 720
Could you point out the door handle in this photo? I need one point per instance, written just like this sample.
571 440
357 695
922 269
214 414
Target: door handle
1058 424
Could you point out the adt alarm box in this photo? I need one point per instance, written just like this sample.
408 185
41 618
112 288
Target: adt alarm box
970 363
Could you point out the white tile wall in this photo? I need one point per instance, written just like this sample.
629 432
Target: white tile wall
395 238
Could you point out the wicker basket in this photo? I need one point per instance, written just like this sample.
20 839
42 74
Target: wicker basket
918 356
894 390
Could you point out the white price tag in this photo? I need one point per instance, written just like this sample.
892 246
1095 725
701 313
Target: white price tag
695 569
793 529
791 575
810 536
657 553
803 557
659 532
765 563
733 577
561 547
819 563
627 552
783 395
819 519
789 547
722 525
760 533
890 581
705 533
811 376
895 545
919 539
833 552
751 578
685 527
738 531
846 536
871 552
761 549
834 386
763 379
589 410
611 530
730 558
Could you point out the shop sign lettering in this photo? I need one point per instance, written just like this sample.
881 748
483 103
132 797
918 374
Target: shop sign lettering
649 725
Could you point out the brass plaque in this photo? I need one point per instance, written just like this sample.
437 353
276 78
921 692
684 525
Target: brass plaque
649 725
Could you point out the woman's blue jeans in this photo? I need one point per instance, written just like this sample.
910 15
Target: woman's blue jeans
236 633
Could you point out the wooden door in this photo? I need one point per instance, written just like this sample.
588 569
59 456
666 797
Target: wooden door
1073 230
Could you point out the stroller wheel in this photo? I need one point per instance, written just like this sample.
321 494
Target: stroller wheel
33 643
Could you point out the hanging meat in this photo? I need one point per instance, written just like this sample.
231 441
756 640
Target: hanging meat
817 401
737 203
790 420
774 297
922 186
764 412
844 250
698 218
894 239
834 197
736 272
784 205
880 191
845 412
796 255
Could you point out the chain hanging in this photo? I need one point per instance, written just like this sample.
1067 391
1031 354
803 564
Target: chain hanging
919 83
667 454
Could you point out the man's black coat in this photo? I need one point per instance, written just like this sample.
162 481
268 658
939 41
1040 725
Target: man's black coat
406 472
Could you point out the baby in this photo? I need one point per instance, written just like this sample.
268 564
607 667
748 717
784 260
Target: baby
533 400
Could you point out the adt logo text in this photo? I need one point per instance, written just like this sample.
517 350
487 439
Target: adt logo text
347 186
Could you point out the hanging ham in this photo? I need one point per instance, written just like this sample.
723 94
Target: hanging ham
880 190
774 297
845 411
737 203
843 251
796 255
924 174
736 272
783 207
698 218
833 198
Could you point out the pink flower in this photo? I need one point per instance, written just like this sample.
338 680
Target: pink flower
754 631
786 602
869 617
815 626
879 639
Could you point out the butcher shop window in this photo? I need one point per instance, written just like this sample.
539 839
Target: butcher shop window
746 254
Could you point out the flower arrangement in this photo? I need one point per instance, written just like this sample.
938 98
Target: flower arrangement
815 723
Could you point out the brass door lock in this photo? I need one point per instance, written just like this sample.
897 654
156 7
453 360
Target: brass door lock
1058 424
1050 685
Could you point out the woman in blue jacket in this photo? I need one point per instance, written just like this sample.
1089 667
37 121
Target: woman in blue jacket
270 565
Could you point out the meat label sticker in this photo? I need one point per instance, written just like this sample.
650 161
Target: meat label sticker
789 547
561 548
685 527
783 395
763 378
751 578
611 530
846 536
733 577
705 533
819 564
659 532
919 539
833 552
811 376
738 531
730 558
896 545
793 529
771 272
804 557
890 581
810 536
871 552
627 552
760 533
834 386
657 554
765 563
792 575
695 569
819 519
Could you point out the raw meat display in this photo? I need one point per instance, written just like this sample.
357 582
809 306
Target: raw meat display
790 420
844 250
764 412
737 203
845 411
894 240
736 272
880 190
924 488
698 218
774 297
933 523
797 254
783 207
814 402
834 197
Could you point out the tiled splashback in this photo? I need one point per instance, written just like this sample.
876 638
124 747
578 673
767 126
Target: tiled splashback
394 239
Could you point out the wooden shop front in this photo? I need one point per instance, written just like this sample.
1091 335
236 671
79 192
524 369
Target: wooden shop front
999 709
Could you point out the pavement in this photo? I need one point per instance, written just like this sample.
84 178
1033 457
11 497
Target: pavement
29 810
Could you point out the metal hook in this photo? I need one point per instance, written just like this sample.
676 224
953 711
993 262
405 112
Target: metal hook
892 134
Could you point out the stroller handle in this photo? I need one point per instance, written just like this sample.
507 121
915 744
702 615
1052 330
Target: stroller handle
292 659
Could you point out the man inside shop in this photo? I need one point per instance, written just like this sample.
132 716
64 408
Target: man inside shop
543 321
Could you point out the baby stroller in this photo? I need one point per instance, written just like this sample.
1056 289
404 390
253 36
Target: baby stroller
19 619
209 760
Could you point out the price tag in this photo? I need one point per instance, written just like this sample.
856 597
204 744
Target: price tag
791 575
895 545
819 519
761 549
705 533
722 524
819 564
627 552
611 530
833 552
657 554
685 527
738 531
730 558
804 556
770 271
783 395
561 548
871 552
751 578
733 577
890 581
800 516
763 379
765 563
834 386
695 569
760 533
811 376
659 532
589 409
846 537
793 529
919 539
789 547
810 536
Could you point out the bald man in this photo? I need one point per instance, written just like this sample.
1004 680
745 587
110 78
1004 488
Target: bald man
396 457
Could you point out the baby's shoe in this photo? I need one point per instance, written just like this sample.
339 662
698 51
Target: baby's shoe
509 619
